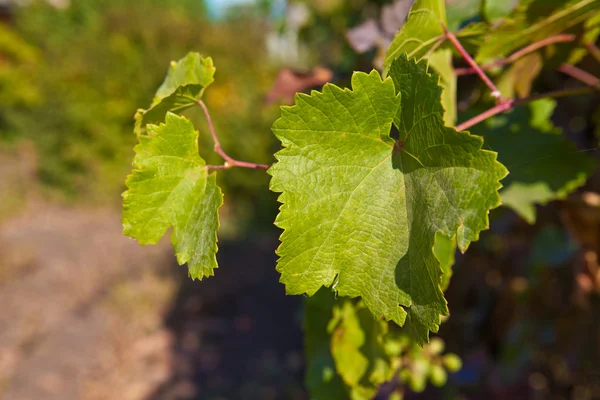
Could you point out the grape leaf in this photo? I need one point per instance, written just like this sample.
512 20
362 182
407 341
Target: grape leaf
533 21
441 62
497 9
181 89
420 33
360 210
171 186
344 348
357 348
457 12
444 250
544 165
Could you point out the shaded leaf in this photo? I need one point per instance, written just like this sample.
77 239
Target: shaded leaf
444 250
171 186
322 379
543 164
345 349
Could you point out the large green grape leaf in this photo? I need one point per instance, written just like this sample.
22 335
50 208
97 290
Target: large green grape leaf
171 186
535 20
182 88
360 210
543 164
345 349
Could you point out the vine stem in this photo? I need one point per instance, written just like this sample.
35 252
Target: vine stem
562 38
488 82
509 104
580 75
229 161
593 49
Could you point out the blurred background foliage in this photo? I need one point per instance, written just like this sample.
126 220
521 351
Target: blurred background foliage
523 300
71 79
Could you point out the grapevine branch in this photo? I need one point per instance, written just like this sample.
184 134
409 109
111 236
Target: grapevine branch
580 75
503 105
229 161
508 104
594 50
495 92
562 38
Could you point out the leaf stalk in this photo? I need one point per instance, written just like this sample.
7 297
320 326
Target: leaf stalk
229 161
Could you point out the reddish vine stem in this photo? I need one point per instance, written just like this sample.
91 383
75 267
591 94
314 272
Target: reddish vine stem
495 92
580 75
229 161
562 38
509 104
594 50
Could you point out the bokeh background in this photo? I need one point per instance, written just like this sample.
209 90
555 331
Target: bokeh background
86 313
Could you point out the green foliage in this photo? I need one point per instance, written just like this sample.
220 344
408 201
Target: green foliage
171 186
349 353
544 165
385 203
85 69
377 189
535 20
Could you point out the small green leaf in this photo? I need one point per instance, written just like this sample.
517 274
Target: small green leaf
422 30
360 210
543 164
171 186
181 89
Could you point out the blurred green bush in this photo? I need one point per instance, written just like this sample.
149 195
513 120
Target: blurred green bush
71 79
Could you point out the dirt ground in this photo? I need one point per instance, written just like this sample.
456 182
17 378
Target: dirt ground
89 314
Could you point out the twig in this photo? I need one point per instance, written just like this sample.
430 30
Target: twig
594 50
509 104
495 92
500 108
229 161
562 38
580 75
